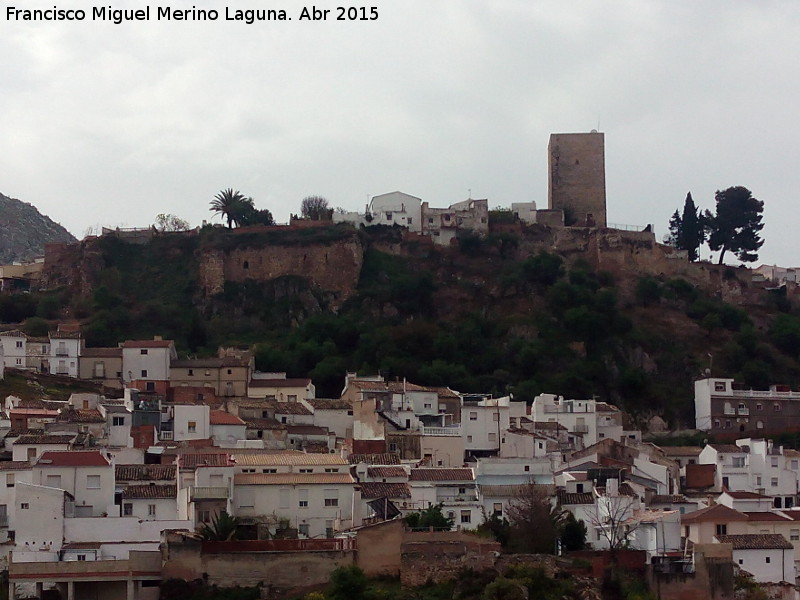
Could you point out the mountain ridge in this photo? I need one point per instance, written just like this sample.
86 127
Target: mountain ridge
24 231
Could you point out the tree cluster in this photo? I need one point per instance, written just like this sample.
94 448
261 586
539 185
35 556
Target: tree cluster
734 227
239 210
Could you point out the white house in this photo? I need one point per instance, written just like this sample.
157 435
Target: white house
65 351
732 470
483 421
226 429
317 504
396 208
455 489
87 475
147 360
769 557
14 344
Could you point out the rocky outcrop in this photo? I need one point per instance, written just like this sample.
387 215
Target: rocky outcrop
24 231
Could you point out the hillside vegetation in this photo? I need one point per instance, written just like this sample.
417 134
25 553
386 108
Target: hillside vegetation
488 316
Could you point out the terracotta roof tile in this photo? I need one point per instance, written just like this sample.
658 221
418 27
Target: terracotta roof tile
570 498
147 344
718 513
291 478
191 460
306 430
264 424
441 474
75 458
150 491
44 439
378 489
744 495
331 404
756 541
245 459
144 472
391 458
14 465
766 516
220 417
386 472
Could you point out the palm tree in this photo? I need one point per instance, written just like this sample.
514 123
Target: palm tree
228 204
221 529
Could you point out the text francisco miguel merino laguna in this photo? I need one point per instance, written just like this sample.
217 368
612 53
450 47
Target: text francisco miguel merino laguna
167 13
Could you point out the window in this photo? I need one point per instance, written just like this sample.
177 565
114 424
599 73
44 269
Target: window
716 423
9 480
144 372
248 470
492 437
496 417
758 480
473 416
302 529
204 516
19 344
191 372
81 557
527 468
392 447
302 496
24 506
331 470
54 481
776 407
143 351
283 495
430 222
192 426
331 497
541 445
721 529
93 482
774 462
269 470
18 361
118 421
208 372
388 216
292 397
428 405
759 406
127 509
306 470
150 386
497 509
466 516
766 560
794 535
719 386
151 510
773 482
759 424
469 439
738 461
727 423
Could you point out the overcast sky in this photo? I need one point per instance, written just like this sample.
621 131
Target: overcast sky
104 124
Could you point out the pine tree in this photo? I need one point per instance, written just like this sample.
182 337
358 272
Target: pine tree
737 224
687 231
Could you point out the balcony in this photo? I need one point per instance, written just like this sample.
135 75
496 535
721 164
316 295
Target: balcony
454 431
580 429
744 412
62 352
765 394
729 412
207 493
460 499
165 436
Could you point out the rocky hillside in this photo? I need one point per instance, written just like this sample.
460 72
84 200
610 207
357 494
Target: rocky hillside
24 231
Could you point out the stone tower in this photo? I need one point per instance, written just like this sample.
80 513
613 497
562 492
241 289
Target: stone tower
577 177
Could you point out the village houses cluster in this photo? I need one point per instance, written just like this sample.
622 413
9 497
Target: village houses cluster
172 443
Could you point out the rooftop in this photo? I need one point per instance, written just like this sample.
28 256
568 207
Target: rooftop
292 478
76 458
245 459
756 541
379 472
150 491
220 417
144 472
378 489
441 474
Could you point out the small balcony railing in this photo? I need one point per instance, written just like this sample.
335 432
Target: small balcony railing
454 431
208 493
581 429
744 412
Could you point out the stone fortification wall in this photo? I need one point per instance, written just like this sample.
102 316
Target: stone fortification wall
333 268
281 571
